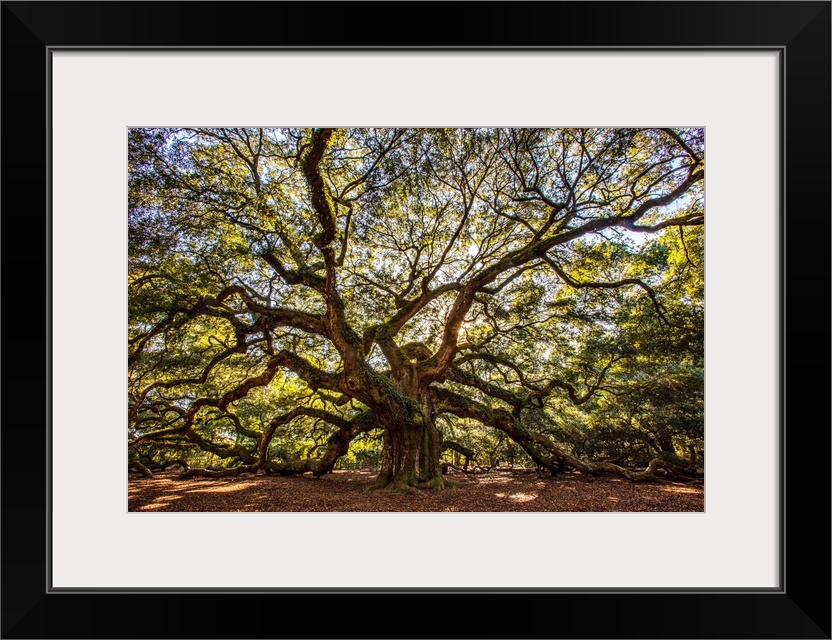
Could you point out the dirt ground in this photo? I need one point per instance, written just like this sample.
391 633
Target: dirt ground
347 491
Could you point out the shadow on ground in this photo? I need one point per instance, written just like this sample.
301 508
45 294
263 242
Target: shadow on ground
501 490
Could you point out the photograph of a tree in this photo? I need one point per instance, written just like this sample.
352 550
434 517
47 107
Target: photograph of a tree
422 302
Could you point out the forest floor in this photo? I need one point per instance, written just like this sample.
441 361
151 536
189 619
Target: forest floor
498 490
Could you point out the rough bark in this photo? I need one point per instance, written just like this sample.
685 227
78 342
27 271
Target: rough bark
410 454
337 445
540 447
411 441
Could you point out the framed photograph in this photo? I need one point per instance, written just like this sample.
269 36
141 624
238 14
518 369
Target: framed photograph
732 99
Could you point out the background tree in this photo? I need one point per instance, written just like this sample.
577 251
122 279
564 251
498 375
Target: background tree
295 293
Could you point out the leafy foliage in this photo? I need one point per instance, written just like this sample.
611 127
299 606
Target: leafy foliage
299 297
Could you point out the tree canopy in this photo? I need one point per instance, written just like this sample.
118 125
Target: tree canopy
411 298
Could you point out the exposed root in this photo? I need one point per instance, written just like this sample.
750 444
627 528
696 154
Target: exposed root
438 482
403 486
380 483
396 487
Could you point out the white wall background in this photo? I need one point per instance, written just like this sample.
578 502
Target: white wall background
98 95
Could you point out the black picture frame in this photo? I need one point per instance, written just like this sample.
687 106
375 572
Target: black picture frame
799 608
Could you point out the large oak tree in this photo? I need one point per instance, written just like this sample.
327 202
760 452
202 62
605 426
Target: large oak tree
329 283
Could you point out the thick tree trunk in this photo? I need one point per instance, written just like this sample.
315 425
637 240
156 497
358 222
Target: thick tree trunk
411 449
